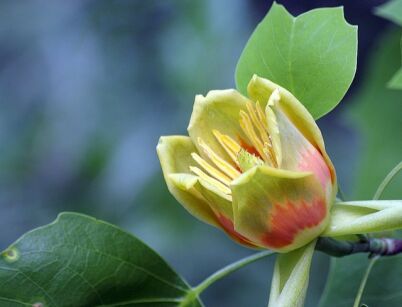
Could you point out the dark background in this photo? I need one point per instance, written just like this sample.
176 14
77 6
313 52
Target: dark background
87 88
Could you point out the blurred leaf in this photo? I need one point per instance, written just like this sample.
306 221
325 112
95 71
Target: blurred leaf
376 112
391 10
347 273
80 261
312 55
155 197
396 82
95 158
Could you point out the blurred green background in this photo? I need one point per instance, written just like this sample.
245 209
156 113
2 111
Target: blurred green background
87 88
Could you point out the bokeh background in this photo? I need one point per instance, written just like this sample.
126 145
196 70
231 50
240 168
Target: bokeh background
87 88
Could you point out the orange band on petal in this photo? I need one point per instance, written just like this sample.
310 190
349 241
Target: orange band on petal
289 219
228 226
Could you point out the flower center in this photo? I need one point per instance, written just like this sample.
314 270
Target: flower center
262 146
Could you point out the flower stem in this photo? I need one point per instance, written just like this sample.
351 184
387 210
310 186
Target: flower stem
387 180
229 269
380 190
341 194
364 281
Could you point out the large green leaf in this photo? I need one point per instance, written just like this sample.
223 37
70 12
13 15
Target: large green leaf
376 113
382 289
392 10
80 261
312 55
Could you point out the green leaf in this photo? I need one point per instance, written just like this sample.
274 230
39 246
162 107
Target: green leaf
383 287
396 82
313 56
392 10
376 112
80 261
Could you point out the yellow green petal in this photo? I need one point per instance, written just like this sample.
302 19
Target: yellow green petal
260 89
358 217
278 209
218 111
174 153
291 277
219 202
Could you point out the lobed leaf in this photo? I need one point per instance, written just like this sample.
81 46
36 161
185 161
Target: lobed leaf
313 56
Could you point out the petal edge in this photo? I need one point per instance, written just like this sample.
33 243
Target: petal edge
174 154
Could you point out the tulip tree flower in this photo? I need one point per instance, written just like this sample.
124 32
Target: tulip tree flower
256 167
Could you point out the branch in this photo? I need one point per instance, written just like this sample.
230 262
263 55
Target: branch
372 246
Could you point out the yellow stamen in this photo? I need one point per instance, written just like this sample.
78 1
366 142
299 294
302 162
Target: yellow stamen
261 129
247 126
261 114
210 180
267 142
211 170
273 128
257 123
269 154
224 166
231 147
